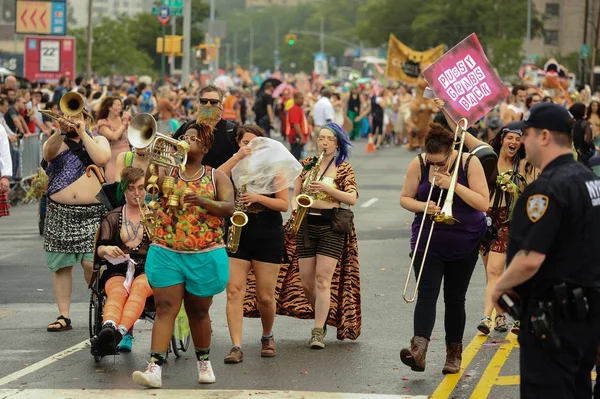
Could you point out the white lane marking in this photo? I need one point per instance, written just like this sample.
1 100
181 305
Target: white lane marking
13 253
187 393
43 363
369 202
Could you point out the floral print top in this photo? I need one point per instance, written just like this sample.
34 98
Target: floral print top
192 229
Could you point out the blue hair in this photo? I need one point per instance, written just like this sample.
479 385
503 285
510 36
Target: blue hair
343 140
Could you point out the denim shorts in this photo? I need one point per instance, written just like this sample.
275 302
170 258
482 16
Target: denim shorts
203 274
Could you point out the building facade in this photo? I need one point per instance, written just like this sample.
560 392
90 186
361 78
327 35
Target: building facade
267 3
108 8
564 26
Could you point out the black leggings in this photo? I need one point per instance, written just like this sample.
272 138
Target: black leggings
456 275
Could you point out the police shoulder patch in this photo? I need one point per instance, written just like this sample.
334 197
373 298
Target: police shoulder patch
536 206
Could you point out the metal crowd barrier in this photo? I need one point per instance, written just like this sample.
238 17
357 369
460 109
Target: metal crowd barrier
27 156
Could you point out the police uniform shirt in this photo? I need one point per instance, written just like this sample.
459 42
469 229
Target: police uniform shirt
558 215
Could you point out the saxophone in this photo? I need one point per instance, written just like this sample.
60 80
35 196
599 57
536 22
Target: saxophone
238 220
304 200
148 219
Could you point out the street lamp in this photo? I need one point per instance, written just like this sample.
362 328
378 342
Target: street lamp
251 55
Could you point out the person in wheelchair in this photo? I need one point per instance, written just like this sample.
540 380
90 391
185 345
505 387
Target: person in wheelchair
125 284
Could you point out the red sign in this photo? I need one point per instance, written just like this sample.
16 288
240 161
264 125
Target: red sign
47 58
465 80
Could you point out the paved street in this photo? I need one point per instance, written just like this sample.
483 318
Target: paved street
36 363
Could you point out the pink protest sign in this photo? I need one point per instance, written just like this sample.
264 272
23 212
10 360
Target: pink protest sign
465 80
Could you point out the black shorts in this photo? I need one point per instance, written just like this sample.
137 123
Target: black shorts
322 240
262 238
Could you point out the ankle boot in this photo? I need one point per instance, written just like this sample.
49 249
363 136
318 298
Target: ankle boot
453 358
415 356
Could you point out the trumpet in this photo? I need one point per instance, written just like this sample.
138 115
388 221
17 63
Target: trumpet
161 149
304 200
443 216
238 220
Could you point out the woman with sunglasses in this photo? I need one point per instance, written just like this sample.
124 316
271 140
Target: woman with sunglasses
187 260
453 250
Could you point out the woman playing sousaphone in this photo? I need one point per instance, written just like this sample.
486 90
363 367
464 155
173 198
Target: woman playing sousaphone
262 171
320 275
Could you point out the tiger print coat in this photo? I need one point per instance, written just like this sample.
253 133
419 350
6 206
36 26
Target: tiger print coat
345 311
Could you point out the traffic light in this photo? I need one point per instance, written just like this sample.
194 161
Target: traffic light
173 45
290 38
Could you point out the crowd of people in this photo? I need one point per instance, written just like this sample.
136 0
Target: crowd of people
180 257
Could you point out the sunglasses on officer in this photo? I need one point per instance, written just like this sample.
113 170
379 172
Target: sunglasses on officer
212 101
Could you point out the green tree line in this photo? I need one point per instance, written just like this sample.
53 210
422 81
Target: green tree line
128 45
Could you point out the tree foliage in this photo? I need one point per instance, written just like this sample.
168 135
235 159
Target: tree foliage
500 25
128 45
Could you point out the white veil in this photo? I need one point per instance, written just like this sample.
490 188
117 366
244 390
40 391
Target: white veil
269 169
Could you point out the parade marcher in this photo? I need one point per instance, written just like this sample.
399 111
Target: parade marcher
552 262
320 278
297 129
518 173
261 244
5 172
419 119
122 234
187 260
136 158
73 213
453 250
210 111
112 125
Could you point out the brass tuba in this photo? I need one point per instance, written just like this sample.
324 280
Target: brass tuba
304 200
444 216
161 149
238 220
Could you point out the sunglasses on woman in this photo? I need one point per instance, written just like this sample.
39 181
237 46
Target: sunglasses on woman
440 163
205 101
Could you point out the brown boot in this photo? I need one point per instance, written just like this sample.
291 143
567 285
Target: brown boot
453 358
415 356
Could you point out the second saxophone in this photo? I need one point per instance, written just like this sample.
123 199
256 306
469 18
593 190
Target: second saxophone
304 199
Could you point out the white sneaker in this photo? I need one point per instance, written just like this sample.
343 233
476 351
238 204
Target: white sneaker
205 372
151 378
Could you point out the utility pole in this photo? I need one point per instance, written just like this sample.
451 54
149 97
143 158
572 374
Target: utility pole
172 58
323 34
251 55
187 41
585 37
211 40
235 50
528 45
90 41
593 64
227 57
276 51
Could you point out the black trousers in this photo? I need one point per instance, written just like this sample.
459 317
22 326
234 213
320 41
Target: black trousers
296 150
457 276
564 373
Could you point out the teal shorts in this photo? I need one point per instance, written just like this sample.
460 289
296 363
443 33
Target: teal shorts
58 260
203 274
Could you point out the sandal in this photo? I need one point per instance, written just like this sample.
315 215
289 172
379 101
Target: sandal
63 323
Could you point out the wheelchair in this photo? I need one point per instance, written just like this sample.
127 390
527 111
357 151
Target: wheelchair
98 300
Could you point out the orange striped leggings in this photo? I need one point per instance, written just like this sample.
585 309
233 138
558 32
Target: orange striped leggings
122 308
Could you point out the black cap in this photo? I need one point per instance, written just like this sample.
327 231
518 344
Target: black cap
546 116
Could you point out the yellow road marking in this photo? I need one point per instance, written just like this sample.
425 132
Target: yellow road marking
516 379
449 382
508 380
487 380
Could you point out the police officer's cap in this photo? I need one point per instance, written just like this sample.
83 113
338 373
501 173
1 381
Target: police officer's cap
547 116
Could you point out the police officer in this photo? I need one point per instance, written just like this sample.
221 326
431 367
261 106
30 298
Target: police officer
553 266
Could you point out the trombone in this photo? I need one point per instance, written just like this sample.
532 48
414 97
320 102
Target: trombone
71 104
443 216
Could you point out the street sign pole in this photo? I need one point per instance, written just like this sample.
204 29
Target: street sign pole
164 17
163 58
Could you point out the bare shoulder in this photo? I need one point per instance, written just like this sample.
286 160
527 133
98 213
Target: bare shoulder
101 140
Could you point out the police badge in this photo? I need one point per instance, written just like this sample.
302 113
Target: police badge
536 207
